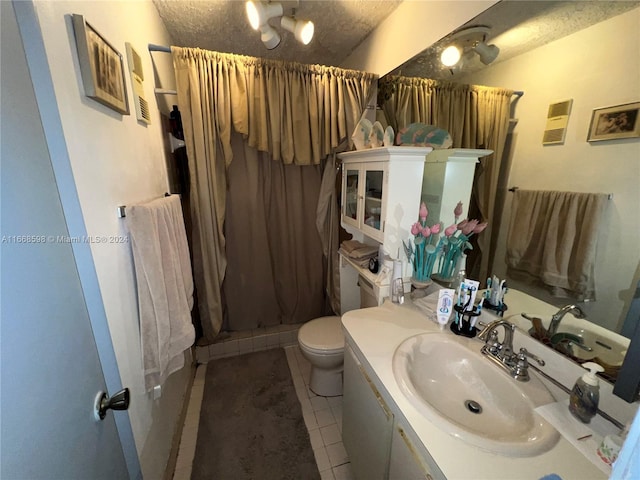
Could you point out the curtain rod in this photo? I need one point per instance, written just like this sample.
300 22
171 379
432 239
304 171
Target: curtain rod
159 48
514 189
518 93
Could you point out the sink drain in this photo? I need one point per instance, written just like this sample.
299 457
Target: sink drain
473 406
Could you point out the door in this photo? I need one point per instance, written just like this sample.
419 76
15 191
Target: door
50 372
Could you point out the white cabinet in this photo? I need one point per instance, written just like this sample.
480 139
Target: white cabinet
367 422
364 199
405 460
379 446
447 180
381 192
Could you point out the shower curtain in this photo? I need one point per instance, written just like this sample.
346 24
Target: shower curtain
476 117
298 114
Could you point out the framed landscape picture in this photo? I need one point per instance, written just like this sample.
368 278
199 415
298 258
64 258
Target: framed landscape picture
101 67
612 123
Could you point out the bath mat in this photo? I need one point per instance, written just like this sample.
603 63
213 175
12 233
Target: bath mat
251 424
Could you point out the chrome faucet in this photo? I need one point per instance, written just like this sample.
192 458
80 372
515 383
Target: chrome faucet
490 336
502 354
557 317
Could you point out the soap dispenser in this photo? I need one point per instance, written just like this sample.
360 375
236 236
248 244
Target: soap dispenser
583 403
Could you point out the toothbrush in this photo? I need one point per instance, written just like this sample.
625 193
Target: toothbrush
487 292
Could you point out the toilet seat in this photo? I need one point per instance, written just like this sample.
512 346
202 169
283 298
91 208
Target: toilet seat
322 336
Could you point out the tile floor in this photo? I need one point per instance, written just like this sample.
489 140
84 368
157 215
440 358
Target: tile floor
322 416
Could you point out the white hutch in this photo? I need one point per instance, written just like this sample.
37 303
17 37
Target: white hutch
381 193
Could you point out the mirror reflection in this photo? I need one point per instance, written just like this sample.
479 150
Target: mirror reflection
554 52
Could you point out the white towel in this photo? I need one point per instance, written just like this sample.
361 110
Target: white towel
165 286
553 237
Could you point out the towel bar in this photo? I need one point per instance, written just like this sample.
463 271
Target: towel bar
122 209
513 189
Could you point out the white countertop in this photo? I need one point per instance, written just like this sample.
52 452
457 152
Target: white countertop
374 333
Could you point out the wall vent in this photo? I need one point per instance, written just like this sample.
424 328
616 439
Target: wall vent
557 121
137 78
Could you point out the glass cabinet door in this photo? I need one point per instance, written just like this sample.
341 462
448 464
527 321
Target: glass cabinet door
373 199
351 193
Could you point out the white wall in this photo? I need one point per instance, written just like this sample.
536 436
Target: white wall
596 67
408 30
117 161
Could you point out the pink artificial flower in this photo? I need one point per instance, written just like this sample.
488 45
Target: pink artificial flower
480 227
463 224
450 230
423 212
458 210
436 229
416 228
426 232
469 227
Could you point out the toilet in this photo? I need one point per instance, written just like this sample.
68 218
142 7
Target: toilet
322 343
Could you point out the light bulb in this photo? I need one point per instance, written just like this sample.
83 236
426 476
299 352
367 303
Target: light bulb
302 30
252 15
306 33
450 56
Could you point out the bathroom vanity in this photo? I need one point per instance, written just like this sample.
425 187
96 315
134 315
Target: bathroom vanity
386 436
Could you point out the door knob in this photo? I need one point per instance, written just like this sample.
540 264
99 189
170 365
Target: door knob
119 401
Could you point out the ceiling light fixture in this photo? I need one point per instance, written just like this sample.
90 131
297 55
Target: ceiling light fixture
301 29
450 56
487 53
260 13
472 39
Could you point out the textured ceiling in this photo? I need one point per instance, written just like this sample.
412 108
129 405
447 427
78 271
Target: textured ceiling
221 25
517 27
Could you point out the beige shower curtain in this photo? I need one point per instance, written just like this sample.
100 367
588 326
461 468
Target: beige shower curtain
476 117
297 113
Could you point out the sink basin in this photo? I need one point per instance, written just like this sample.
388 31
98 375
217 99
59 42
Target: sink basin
450 382
607 350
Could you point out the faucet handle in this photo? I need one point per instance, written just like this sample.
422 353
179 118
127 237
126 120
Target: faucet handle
524 353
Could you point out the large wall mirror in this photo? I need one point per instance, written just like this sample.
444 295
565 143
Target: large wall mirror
585 52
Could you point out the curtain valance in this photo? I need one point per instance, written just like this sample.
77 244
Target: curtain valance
298 113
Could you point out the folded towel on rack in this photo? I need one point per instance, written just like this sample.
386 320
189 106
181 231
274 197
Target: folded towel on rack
165 286
553 238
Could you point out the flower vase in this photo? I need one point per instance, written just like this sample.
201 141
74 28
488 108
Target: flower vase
424 260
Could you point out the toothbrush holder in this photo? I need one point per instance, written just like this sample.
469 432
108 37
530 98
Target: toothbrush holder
463 324
499 309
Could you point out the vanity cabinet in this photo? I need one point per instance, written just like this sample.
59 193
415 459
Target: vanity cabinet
405 463
379 445
367 422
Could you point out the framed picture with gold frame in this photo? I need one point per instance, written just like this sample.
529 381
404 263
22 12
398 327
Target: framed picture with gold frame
101 67
612 123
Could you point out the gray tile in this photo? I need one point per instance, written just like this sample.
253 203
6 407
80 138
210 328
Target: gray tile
343 472
327 475
322 459
324 417
330 434
337 454
319 403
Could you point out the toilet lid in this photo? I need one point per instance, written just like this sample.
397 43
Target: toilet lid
324 334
